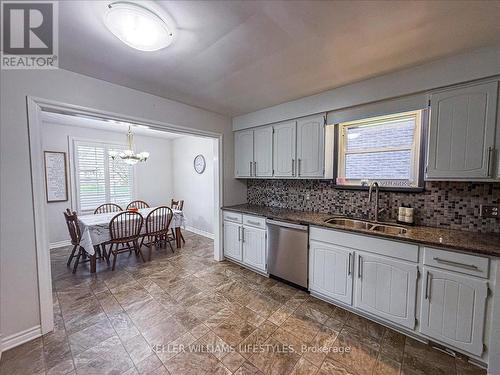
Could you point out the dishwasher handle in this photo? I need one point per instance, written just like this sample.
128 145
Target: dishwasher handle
287 225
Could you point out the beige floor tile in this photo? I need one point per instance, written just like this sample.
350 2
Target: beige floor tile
149 318
275 359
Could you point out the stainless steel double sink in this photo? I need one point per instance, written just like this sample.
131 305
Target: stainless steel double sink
366 225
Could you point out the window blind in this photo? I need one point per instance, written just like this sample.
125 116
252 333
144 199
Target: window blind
91 177
120 180
100 179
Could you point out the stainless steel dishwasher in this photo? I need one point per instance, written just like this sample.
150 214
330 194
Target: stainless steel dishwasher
287 246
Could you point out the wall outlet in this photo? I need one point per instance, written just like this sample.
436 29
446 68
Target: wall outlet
488 211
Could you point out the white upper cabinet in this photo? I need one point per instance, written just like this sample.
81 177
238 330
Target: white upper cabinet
387 288
243 156
330 271
462 133
284 149
263 152
311 146
453 309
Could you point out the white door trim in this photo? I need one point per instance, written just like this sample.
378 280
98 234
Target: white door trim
35 106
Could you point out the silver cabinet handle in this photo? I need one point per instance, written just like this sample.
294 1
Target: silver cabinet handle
299 163
456 264
359 266
231 218
239 234
250 169
293 167
349 265
253 222
490 152
242 234
427 285
255 168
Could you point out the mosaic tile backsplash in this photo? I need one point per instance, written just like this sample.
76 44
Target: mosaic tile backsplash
453 205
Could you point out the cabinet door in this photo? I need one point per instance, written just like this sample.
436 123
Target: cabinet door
243 153
232 240
330 271
310 147
462 132
387 288
254 247
284 141
263 152
453 309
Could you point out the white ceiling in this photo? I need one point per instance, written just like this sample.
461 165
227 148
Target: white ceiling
107 125
235 57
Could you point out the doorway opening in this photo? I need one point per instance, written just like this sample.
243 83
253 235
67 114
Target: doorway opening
183 165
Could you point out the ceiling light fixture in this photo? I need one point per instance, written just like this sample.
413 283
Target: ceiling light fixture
129 156
139 26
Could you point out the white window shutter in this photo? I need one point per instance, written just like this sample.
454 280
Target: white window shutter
90 176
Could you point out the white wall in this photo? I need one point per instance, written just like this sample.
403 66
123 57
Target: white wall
197 190
153 179
19 306
465 67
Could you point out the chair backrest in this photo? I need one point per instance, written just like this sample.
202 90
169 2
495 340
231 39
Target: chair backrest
137 204
125 226
73 227
107 207
158 221
177 205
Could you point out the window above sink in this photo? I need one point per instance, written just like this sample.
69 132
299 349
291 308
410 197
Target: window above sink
385 149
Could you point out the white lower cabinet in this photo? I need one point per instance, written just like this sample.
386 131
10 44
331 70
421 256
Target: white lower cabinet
330 271
232 240
386 288
254 247
380 278
245 240
453 309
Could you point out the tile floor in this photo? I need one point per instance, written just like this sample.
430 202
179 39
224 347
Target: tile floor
137 320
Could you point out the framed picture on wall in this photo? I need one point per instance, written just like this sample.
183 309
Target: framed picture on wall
56 178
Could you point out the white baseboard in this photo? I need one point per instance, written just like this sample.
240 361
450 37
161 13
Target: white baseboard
55 245
19 338
200 232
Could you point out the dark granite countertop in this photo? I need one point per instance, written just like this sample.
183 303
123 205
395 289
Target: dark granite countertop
472 242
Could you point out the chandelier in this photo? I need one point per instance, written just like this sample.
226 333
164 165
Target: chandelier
129 156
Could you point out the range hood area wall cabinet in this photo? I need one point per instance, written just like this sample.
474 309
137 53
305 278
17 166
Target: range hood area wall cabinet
462 143
296 149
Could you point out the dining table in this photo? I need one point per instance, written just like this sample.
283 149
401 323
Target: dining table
95 232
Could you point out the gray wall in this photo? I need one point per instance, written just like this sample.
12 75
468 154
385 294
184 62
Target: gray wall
197 190
153 179
19 307
472 65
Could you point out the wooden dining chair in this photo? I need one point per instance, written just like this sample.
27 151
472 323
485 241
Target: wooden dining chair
107 207
125 229
157 228
75 235
137 204
177 205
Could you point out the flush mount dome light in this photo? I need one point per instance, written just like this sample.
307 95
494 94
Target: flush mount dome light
139 26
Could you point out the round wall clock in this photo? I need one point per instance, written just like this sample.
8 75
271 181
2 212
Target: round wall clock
199 164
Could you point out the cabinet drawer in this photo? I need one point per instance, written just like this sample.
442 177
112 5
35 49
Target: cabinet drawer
254 221
232 216
394 249
459 262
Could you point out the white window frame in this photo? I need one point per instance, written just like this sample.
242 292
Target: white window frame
75 185
415 170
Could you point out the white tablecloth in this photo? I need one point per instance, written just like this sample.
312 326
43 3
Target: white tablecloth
95 228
